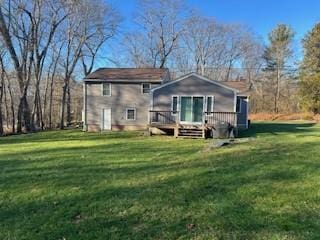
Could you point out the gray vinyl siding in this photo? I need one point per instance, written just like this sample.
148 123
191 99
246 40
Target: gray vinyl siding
224 99
123 96
242 114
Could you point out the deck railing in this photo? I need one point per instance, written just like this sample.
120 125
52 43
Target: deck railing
213 118
163 117
209 118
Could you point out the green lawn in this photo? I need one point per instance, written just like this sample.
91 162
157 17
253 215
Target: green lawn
75 185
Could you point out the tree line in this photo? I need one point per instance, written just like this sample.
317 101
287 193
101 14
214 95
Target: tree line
47 46
42 44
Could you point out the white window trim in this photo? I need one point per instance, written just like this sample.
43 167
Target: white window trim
203 107
110 90
212 105
135 114
235 102
172 104
149 89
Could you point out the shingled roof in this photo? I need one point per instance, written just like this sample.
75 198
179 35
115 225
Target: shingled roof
128 74
242 86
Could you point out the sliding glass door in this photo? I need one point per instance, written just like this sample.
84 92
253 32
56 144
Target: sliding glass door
186 109
191 109
197 109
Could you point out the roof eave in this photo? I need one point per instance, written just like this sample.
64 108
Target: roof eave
199 76
122 80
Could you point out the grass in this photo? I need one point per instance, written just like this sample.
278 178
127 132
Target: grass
75 185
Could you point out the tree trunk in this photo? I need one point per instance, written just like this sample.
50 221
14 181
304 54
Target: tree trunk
39 112
45 120
1 115
33 114
1 95
24 115
277 93
1 107
7 107
229 70
63 104
50 101
52 86
13 115
69 117
19 119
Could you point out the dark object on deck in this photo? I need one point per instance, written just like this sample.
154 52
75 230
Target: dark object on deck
222 130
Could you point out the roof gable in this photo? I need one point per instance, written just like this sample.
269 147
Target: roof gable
200 77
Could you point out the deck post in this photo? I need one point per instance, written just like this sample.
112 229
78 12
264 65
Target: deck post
204 125
176 131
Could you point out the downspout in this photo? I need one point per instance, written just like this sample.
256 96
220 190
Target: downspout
247 123
235 109
150 107
84 107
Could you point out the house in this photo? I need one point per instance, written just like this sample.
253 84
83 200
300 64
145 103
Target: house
146 98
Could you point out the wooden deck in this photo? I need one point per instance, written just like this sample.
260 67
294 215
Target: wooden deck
165 120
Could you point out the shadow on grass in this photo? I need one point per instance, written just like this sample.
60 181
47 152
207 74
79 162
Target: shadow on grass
156 190
66 135
275 128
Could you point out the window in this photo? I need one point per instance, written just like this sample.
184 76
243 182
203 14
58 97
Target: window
131 114
174 105
209 108
106 89
146 87
238 109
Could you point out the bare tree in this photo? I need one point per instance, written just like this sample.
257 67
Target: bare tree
136 50
252 60
85 24
45 17
215 49
16 34
205 43
106 22
12 103
161 25
2 89
49 84
55 59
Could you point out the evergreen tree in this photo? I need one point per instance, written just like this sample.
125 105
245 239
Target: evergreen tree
277 56
310 71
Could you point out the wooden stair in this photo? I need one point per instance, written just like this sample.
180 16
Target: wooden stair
188 132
